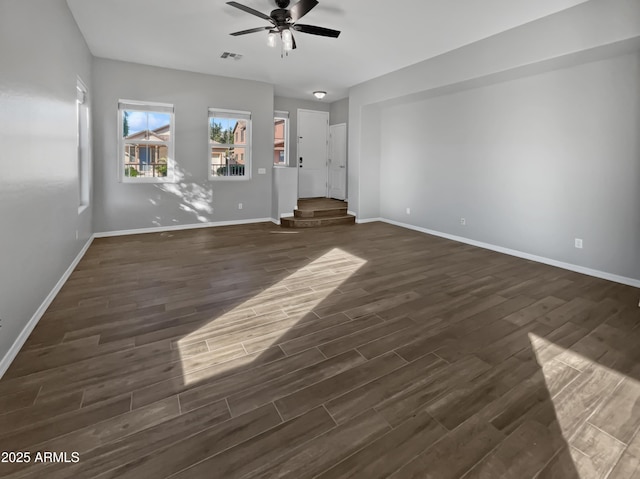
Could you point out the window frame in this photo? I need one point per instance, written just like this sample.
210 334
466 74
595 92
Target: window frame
83 146
282 115
224 113
149 107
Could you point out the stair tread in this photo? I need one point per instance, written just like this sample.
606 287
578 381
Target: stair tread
323 209
319 218
316 212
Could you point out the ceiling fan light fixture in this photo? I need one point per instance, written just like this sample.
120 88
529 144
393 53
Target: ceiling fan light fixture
287 40
271 39
319 94
283 21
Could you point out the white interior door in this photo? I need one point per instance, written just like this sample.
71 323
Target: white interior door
313 152
338 161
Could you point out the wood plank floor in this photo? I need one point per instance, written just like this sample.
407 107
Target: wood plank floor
368 351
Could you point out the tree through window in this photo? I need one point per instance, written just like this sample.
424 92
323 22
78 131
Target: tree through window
229 144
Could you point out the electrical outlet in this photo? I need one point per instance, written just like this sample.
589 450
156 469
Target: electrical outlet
408 211
262 171
578 243
239 206
463 221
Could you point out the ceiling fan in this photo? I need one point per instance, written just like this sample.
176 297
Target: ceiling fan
284 21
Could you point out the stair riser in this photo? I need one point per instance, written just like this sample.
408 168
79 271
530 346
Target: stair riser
316 222
320 213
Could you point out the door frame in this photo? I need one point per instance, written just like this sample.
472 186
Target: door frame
346 158
298 137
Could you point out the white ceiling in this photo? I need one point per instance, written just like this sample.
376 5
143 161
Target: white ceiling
377 36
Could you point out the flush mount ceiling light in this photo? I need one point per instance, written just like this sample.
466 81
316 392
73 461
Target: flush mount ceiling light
284 23
319 94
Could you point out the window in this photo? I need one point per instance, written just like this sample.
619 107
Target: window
146 142
229 144
281 138
83 146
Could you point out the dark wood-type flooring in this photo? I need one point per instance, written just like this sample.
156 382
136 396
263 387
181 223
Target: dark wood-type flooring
363 351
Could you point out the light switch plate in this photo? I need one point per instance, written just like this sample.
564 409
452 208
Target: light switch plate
262 171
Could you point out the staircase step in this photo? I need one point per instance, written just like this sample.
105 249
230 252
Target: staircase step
293 222
319 203
315 212
321 213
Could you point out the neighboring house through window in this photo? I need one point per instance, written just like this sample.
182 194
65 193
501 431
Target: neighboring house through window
146 146
229 144
281 138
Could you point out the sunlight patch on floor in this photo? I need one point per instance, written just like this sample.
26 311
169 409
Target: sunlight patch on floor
263 320
579 389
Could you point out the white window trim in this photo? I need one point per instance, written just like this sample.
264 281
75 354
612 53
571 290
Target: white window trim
283 115
235 114
84 160
149 107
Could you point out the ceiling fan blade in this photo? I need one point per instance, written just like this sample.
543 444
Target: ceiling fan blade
301 8
293 42
253 30
313 30
250 10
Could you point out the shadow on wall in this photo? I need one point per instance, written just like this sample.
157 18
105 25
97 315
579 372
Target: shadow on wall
194 198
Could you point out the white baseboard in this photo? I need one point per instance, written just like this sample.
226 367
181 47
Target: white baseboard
8 358
15 348
163 229
282 215
539 259
367 220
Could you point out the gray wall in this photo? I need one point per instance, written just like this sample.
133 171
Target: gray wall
530 135
292 105
339 112
531 164
285 191
193 199
369 177
588 26
39 182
